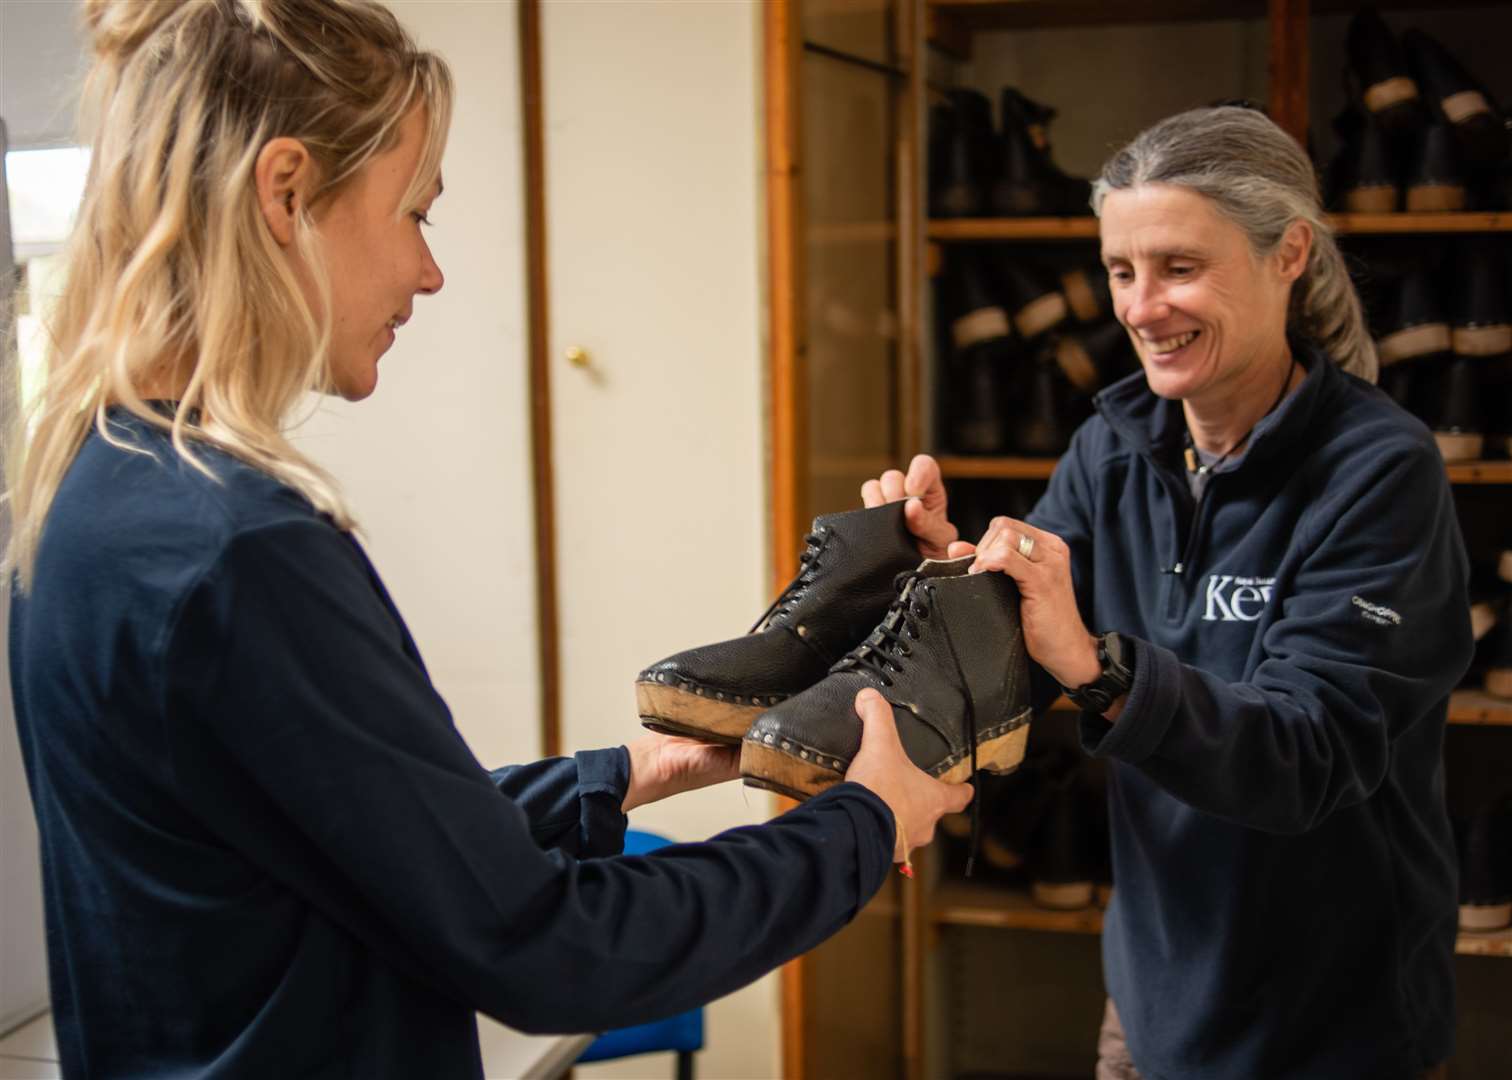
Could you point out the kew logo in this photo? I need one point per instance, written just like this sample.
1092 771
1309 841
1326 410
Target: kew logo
1236 599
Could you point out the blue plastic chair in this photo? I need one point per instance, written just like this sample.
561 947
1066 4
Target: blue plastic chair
681 1034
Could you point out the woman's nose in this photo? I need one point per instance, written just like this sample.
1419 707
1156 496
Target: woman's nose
1145 304
431 278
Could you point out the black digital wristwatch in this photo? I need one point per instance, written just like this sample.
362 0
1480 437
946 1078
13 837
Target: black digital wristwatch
1117 676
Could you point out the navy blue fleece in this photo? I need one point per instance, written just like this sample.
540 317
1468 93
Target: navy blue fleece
267 851
1285 875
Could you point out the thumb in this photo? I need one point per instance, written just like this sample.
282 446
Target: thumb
958 797
879 731
926 524
923 477
959 548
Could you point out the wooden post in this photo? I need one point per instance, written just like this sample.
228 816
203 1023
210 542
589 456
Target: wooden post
786 332
539 342
1288 65
910 103
910 33
787 372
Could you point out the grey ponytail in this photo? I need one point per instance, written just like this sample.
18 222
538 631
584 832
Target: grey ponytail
1260 179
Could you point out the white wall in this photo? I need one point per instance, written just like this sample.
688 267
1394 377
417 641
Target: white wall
437 461
654 191
41 59
40 51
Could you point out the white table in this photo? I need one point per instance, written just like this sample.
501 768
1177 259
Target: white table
31 1052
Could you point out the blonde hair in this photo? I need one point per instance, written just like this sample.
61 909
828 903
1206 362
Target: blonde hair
1260 178
171 259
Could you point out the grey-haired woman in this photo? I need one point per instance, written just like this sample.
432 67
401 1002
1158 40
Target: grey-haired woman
1249 571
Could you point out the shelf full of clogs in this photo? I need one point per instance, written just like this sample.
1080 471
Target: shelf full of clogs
950 24
1041 229
964 903
966 467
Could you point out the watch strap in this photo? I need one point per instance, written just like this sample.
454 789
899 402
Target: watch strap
1114 681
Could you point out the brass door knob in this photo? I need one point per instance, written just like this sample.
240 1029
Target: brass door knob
578 357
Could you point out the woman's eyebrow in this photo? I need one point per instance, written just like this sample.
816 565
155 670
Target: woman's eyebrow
1156 253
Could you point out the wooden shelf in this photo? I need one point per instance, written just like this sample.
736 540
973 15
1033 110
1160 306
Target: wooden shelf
978 15
1480 472
1085 228
863 466
850 233
1485 943
1381 224
997 468
1025 468
1025 228
965 903
1475 707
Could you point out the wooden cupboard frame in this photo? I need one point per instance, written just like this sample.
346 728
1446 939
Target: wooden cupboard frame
949 25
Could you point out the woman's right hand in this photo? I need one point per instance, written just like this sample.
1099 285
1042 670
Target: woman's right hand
916 799
924 488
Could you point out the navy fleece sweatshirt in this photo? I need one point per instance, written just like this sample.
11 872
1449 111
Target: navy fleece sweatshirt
1284 867
266 850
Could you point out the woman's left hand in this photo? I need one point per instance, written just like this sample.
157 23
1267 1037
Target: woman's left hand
662 765
1040 563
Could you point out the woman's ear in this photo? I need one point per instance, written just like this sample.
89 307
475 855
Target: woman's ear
283 173
1292 252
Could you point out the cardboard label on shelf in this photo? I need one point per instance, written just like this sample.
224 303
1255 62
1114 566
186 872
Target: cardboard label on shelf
983 324
1413 342
1383 95
1465 104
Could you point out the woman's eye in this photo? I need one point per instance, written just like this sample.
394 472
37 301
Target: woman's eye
1121 276
420 218
1182 271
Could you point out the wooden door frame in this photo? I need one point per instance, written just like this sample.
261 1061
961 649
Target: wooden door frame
782 50
787 370
538 332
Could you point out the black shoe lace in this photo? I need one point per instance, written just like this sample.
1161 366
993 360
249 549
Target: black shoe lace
971 741
888 643
808 564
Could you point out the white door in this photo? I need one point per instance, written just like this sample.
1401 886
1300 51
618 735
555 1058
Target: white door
652 138
652 133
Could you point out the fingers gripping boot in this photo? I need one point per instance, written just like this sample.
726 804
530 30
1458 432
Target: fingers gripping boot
949 657
843 588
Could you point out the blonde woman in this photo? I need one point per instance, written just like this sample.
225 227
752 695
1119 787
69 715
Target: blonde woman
266 850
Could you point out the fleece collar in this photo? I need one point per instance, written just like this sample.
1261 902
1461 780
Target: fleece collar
1154 426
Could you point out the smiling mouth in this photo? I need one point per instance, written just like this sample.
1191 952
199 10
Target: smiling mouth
1167 346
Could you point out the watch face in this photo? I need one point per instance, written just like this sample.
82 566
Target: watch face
1113 645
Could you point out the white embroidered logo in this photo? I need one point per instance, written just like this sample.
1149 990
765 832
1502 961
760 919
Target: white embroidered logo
1376 613
1236 599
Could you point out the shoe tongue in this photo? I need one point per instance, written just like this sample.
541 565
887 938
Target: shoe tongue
937 568
929 568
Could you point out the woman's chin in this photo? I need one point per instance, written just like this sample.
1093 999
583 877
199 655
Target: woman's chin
352 385
1172 385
